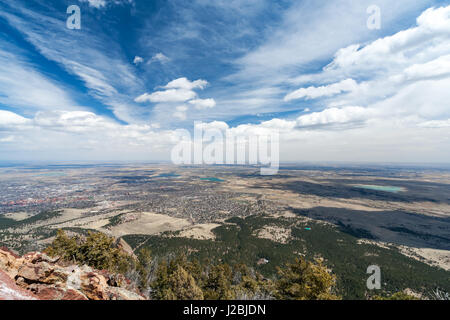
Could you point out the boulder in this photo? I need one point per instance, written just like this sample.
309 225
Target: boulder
9 262
10 291
42 272
94 286
45 292
118 293
38 276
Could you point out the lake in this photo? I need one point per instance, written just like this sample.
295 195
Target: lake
212 179
380 188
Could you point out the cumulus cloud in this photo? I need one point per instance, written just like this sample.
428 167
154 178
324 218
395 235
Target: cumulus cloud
176 91
8 119
323 91
202 104
159 57
426 41
406 76
219 125
138 60
81 135
184 83
334 116
171 95
439 67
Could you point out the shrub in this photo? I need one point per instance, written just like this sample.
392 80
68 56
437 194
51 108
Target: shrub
96 250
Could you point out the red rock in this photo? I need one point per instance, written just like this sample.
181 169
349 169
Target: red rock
45 292
5 249
10 291
9 262
74 295
117 293
42 257
93 286
38 276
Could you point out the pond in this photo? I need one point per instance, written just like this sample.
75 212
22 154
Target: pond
380 188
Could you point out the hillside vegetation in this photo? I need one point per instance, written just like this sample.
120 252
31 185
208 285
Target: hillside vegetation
178 278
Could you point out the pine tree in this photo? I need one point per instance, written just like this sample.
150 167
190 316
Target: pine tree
303 280
173 282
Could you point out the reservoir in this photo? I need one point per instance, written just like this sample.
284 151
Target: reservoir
212 179
380 188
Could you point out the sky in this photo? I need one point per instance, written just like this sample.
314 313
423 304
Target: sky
136 72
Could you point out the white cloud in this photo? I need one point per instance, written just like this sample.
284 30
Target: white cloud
178 90
8 119
439 67
95 3
407 75
57 135
399 112
202 104
288 46
159 57
21 85
74 121
323 91
184 83
138 60
428 40
301 40
7 139
334 116
436 124
171 95
102 3
180 112
82 54
219 125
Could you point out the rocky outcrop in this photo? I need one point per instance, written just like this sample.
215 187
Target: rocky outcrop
10 291
38 276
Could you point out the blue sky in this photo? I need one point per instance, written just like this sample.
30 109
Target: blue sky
136 71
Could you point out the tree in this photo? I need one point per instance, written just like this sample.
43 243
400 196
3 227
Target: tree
173 282
396 296
250 285
303 280
144 267
67 248
96 250
218 283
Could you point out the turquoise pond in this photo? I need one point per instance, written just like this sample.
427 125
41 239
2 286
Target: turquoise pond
167 175
380 188
212 179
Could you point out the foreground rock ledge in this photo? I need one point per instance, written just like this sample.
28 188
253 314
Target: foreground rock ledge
36 276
